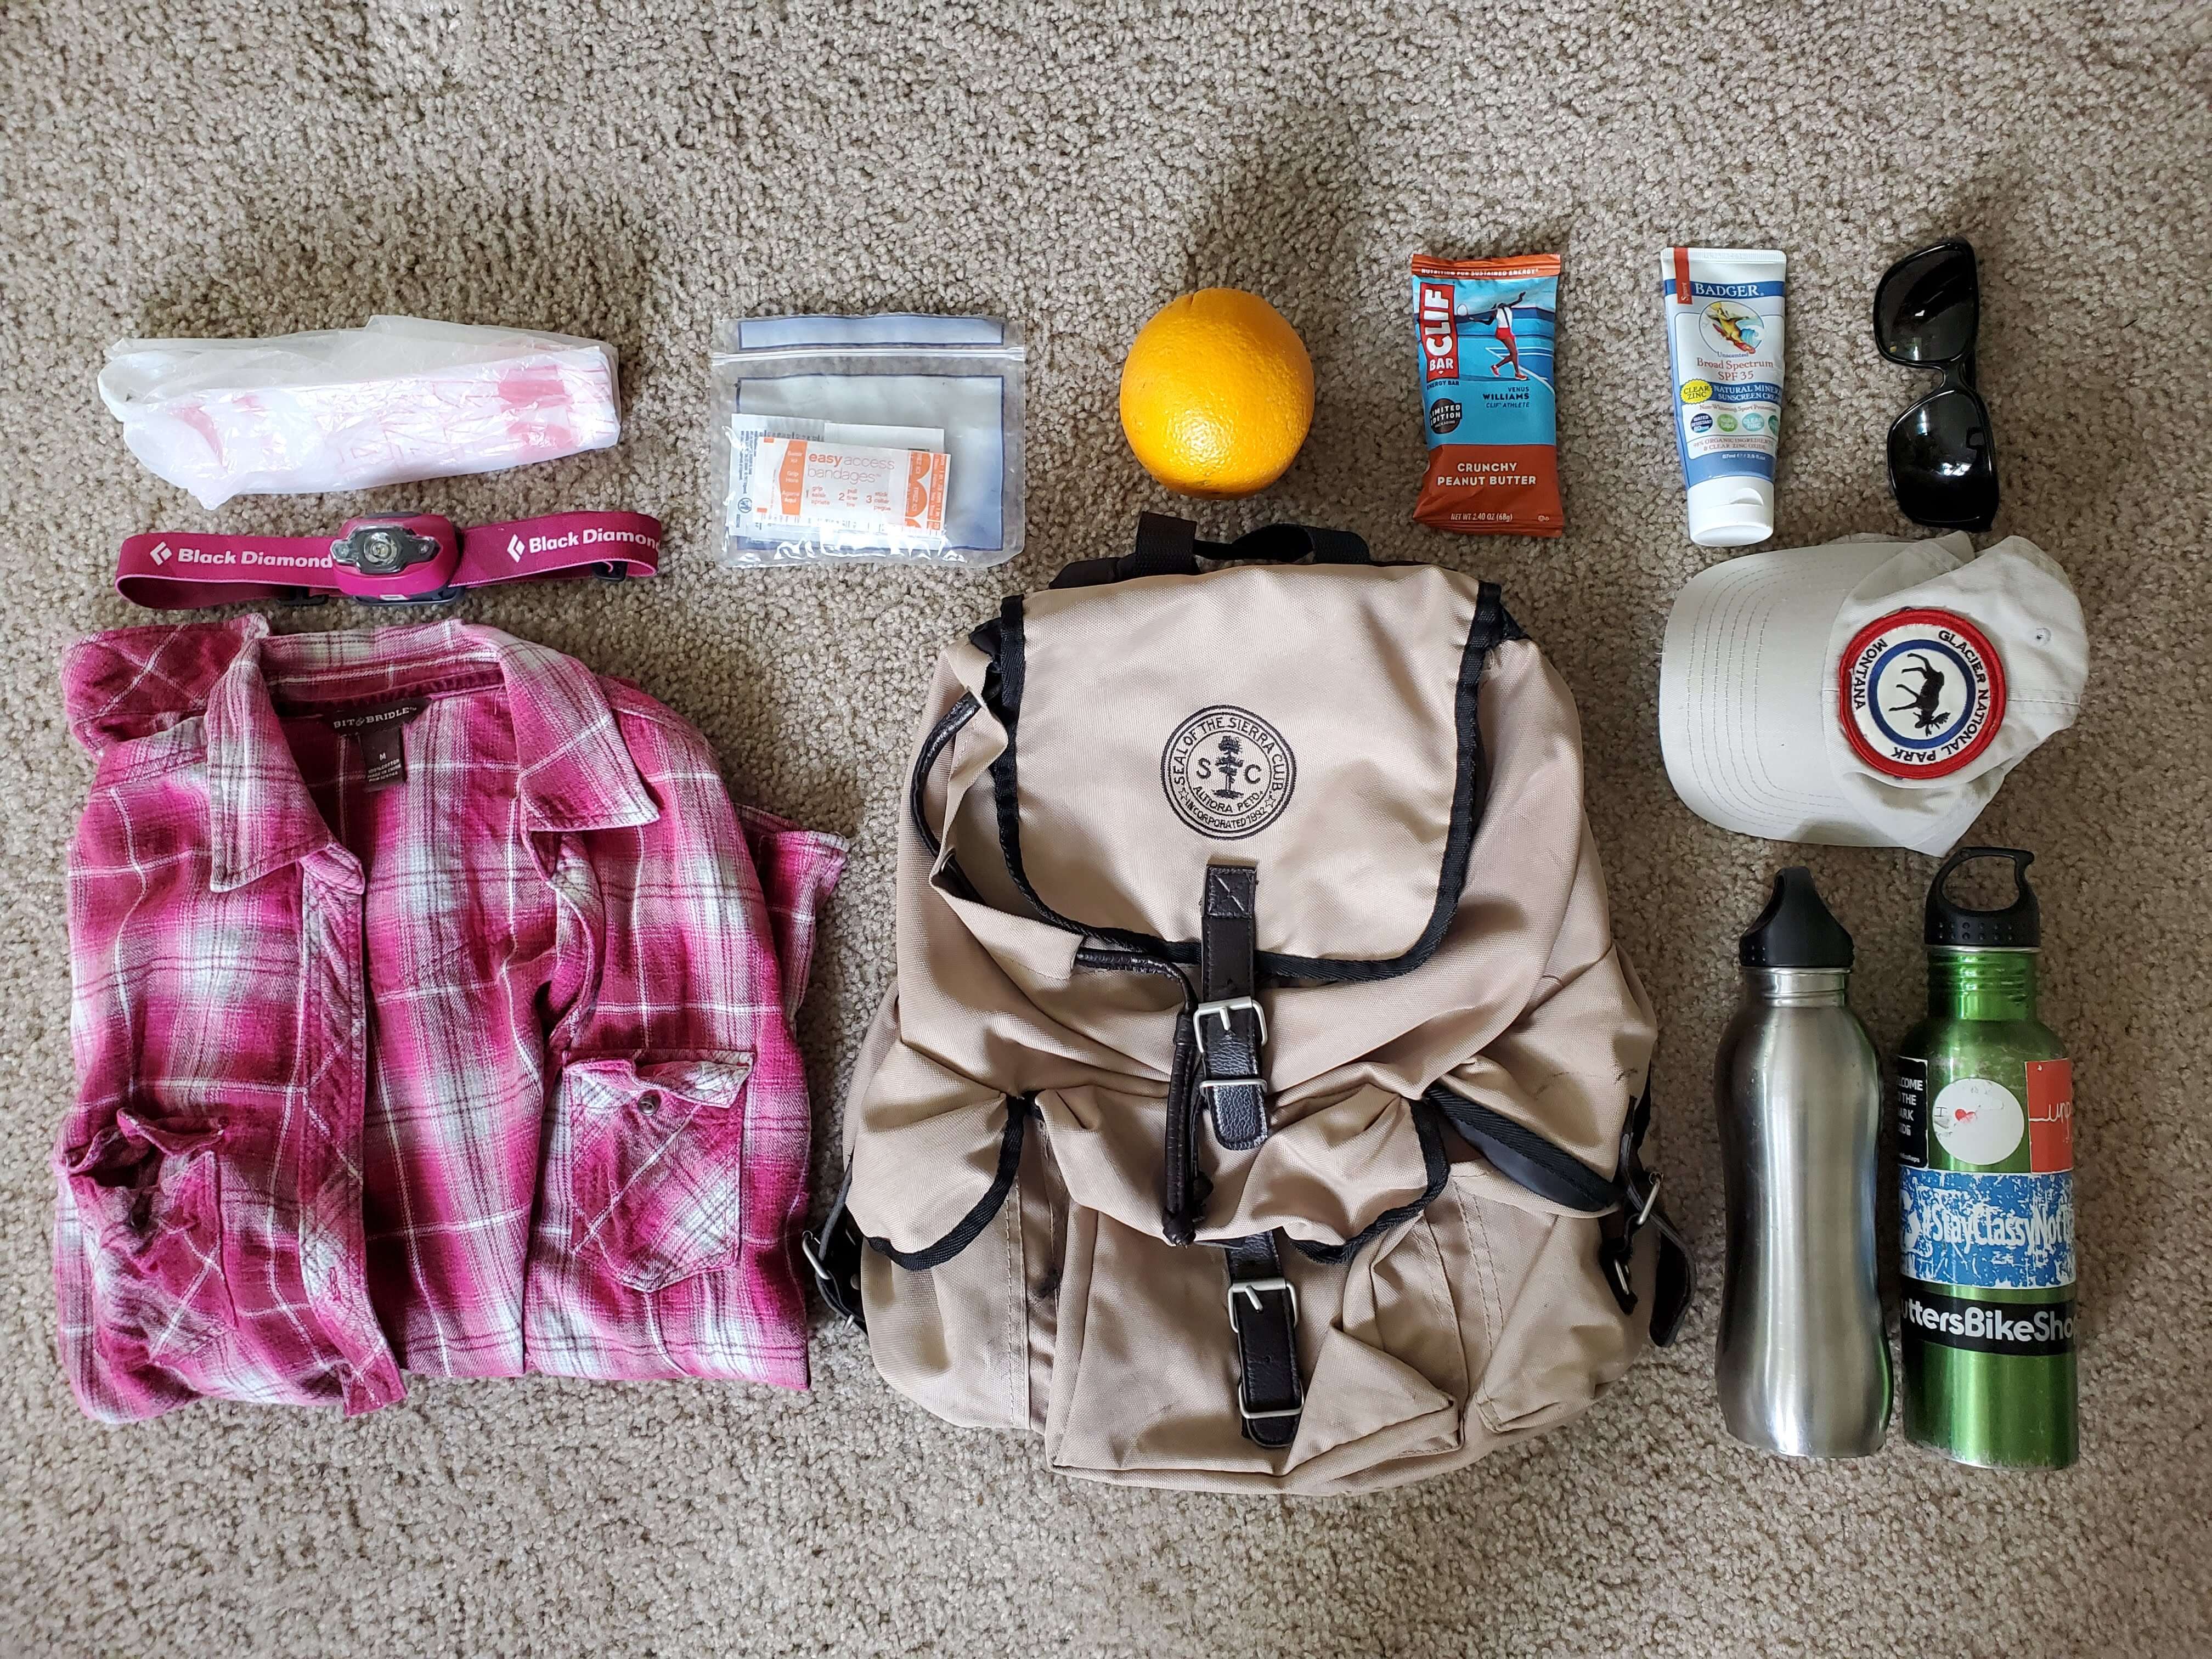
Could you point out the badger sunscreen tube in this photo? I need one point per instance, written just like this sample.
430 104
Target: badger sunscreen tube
1724 308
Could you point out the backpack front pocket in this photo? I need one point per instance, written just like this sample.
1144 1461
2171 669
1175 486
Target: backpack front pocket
1146 1382
658 1165
1553 1333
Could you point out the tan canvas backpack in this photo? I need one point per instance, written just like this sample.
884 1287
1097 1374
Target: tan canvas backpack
1258 1104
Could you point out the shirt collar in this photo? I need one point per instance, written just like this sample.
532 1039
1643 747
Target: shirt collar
575 772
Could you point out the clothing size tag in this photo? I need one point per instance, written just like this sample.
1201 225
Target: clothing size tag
786 474
381 733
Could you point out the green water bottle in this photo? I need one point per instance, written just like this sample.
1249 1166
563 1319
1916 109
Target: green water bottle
1984 1098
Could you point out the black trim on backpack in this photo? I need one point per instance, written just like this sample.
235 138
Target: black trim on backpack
933 747
1527 1158
1020 1110
1435 1161
1002 692
1169 546
1625 1204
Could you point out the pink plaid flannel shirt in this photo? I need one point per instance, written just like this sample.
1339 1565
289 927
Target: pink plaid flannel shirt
482 1070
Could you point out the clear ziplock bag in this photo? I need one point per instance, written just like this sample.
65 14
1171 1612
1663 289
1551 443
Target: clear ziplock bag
860 439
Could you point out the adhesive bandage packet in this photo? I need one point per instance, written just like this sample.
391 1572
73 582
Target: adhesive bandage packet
789 476
401 399
894 438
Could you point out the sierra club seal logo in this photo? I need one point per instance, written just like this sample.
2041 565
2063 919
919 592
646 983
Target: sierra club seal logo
1227 773
1922 693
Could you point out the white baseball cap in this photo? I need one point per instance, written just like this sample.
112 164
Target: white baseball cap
1869 693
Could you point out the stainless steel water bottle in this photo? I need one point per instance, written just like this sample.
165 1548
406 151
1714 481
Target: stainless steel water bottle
1803 1363
1985 1151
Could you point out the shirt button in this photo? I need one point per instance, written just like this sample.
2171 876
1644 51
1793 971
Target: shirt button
649 1101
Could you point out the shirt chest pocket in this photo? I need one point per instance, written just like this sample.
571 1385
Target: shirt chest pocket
657 1165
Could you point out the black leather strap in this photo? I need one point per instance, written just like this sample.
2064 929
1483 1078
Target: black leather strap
1263 1312
1677 1284
1183 1202
1166 546
833 1256
1287 543
1228 1028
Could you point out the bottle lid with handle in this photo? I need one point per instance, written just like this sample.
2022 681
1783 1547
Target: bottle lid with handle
1795 930
1953 925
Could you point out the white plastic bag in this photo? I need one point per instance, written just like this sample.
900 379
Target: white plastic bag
401 399
857 439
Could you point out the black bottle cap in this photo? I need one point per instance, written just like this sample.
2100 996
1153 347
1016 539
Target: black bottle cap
1795 930
2018 926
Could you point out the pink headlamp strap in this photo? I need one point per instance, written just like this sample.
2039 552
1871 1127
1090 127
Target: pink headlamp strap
417 558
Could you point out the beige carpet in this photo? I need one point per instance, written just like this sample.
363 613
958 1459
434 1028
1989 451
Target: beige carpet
634 171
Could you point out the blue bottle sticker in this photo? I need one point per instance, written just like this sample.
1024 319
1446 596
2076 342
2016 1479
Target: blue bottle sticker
1997 1232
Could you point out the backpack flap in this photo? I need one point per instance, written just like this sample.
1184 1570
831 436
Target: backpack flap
1314 723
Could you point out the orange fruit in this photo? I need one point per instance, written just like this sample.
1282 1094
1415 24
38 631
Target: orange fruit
1217 393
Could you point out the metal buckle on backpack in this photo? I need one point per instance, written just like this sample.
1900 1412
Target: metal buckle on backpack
1221 1011
1650 1198
1620 1254
1245 1405
838 1243
1207 1085
1251 1288
1617 1266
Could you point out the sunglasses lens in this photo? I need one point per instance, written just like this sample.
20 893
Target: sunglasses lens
1940 464
1929 306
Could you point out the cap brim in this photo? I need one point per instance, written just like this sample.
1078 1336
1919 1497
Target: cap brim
1743 712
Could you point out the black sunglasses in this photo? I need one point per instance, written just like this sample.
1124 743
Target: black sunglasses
1943 465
